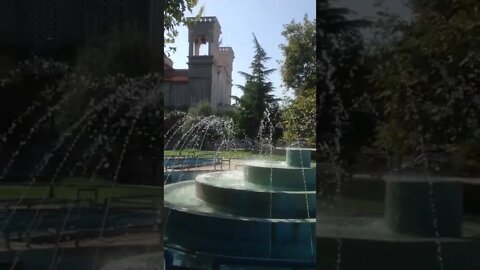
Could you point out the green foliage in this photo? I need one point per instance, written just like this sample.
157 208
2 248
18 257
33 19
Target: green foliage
298 118
116 113
299 74
392 137
201 109
299 65
226 113
428 87
59 113
26 92
467 155
123 51
257 95
195 114
174 11
334 20
345 118
200 127
387 30
426 8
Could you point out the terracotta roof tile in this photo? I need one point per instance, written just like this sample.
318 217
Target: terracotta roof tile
177 78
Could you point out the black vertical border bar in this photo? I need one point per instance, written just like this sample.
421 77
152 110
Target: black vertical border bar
320 38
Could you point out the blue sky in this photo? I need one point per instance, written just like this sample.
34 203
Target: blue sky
239 19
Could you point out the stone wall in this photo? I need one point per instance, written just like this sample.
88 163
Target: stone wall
176 95
224 87
200 73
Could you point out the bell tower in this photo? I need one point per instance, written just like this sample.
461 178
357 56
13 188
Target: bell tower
203 39
210 66
203 32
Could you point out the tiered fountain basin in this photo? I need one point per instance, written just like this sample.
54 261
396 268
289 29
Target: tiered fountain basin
265 211
410 235
428 208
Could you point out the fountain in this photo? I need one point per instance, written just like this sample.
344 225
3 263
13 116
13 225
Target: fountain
265 212
67 202
423 227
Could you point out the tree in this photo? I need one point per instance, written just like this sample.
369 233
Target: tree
118 115
122 51
195 114
298 119
256 96
429 85
426 8
299 74
27 93
174 16
384 32
201 109
333 20
345 119
299 65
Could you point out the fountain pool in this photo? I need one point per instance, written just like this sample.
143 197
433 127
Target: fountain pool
423 227
265 212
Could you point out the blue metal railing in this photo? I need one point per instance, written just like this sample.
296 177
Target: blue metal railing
189 162
224 261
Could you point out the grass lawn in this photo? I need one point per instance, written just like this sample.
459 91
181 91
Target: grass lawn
223 154
68 190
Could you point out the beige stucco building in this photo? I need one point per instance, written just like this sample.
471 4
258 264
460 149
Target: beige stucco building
209 74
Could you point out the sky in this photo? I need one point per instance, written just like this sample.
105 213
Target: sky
264 18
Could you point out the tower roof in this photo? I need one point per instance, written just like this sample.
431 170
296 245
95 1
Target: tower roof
208 27
203 20
227 50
